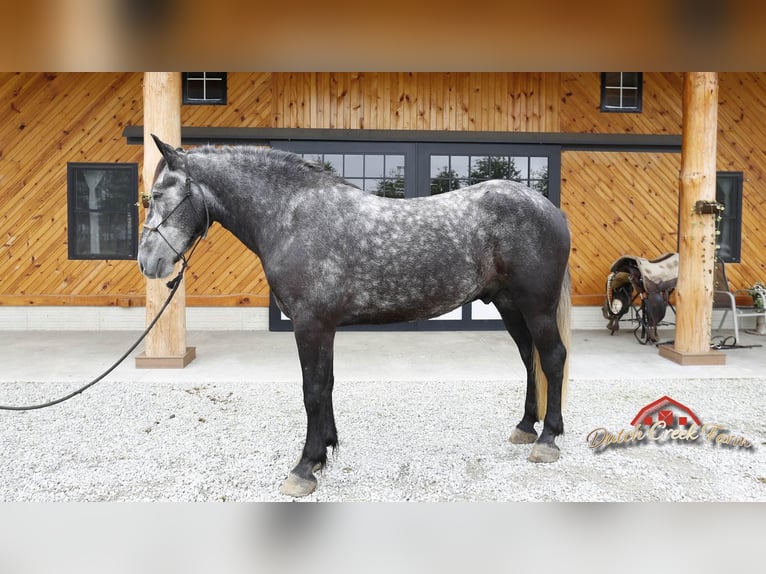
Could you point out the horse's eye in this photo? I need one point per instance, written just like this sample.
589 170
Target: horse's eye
156 195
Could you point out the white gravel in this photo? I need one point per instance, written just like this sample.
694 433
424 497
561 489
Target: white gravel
423 441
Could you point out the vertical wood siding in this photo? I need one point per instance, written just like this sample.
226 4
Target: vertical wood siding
470 101
617 202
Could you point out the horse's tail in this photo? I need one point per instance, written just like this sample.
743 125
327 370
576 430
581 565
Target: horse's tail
563 322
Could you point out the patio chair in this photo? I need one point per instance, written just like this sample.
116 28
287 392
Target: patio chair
724 298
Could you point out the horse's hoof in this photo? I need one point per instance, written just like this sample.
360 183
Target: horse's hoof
543 452
519 436
297 486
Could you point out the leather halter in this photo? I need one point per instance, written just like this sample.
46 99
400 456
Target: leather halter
187 195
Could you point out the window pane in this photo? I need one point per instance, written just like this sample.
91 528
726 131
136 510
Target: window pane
479 169
373 166
395 166
612 79
334 162
630 99
195 89
114 232
440 166
726 239
313 157
630 79
520 168
538 166
390 188
459 165
612 98
82 245
399 187
498 167
725 189
214 89
353 166
90 188
372 184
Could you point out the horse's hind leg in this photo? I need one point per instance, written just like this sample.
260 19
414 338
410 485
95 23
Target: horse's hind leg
524 432
553 354
315 350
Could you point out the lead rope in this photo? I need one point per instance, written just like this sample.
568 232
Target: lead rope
173 286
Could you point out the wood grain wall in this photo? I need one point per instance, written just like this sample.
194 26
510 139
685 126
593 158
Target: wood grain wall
417 101
627 202
616 202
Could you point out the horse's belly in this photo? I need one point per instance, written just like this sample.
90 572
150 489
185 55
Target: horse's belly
395 299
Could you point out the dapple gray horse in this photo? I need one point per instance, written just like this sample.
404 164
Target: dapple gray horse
334 255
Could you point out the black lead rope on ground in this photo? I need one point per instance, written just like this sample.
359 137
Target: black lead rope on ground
173 286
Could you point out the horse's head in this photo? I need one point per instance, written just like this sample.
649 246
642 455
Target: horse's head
176 216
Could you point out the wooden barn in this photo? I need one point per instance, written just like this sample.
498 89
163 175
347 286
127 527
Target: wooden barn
605 147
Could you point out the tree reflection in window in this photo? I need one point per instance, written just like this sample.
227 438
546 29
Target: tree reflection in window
381 174
450 172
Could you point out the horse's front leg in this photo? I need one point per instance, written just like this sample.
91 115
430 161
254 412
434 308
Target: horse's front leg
315 350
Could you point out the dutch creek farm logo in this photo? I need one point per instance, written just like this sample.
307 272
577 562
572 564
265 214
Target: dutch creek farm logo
666 420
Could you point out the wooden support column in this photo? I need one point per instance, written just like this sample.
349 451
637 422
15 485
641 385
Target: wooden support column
165 344
694 291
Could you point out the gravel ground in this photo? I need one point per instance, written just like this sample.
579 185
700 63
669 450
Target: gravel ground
420 441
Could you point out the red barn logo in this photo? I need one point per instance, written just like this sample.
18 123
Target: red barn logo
666 420
665 410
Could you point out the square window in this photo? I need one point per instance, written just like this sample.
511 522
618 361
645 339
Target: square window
204 88
621 91
102 210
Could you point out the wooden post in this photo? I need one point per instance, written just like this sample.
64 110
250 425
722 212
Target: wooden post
694 291
165 344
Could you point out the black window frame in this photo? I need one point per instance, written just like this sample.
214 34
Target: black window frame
205 77
622 109
732 215
131 209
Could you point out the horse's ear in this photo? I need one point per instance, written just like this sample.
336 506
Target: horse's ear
171 155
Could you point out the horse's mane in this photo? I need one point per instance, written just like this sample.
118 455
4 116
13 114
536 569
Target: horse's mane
266 156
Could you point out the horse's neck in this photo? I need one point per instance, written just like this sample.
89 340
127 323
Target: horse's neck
245 205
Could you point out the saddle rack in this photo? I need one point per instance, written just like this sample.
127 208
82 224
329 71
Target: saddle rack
643 288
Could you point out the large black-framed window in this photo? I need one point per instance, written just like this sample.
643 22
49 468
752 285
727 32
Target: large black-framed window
729 192
405 169
204 88
622 91
102 210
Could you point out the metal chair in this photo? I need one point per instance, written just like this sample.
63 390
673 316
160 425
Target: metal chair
724 298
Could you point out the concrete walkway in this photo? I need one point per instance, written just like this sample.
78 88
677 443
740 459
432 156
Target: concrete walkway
256 356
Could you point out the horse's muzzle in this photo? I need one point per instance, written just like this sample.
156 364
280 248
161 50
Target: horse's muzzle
158 270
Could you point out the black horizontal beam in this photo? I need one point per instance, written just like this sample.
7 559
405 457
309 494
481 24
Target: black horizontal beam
567 141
